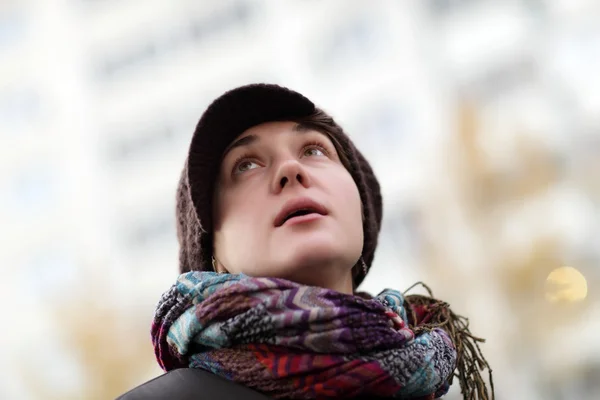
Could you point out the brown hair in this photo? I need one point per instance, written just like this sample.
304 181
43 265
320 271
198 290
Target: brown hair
321 122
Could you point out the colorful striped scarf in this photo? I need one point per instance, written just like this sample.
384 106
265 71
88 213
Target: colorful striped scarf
292 341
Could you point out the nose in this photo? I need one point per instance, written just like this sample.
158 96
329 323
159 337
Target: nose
289 174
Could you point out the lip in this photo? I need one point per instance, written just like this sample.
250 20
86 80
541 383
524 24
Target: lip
296 204
303 219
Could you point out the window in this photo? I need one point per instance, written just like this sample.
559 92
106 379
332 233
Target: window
358 40
49 271
383 128
389 124
405 231
161 137
445 7
158 229
191 31
34 190
502 78
19 106
12 27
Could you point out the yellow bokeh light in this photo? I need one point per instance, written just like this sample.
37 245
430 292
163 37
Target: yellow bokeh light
566 284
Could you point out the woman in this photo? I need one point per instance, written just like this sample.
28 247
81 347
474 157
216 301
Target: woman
278 216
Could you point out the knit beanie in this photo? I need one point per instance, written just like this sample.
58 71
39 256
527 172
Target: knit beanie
226 118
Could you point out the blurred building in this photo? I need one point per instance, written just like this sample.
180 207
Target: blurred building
98 101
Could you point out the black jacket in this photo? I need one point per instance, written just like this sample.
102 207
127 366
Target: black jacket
191 384
194 384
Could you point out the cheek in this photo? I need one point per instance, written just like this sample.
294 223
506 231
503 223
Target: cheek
226 202
235 214
235 221
348 199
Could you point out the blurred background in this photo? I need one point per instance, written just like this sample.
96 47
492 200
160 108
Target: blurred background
481 119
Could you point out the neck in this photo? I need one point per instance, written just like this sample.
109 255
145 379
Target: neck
329 277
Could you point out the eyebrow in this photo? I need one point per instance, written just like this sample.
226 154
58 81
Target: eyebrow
248 140
300 127
245 141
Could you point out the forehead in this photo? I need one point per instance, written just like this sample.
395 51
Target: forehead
262 131
268 128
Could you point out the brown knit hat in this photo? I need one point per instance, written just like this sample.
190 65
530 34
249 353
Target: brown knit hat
226 118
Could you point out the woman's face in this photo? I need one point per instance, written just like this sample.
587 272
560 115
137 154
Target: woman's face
285 206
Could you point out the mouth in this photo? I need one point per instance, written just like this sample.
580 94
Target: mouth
298 208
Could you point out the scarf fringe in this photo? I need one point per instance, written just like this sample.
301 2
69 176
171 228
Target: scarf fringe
426 313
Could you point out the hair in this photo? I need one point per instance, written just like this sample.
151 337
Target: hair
323 123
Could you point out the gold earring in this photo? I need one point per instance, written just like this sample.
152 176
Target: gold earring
214 265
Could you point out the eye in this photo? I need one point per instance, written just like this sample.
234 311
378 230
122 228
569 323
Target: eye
244 165
314 149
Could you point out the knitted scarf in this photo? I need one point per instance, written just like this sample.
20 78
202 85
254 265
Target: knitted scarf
292 341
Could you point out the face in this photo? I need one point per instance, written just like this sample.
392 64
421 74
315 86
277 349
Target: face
285 206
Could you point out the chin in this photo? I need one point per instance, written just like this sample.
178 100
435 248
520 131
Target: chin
316 251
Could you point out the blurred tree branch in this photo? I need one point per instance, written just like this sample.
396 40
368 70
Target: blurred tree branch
112 349
471 212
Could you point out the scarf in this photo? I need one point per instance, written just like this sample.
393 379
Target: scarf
293 341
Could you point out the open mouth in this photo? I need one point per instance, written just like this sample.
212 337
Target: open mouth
300 213
299 208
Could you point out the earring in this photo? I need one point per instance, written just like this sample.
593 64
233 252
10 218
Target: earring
214 265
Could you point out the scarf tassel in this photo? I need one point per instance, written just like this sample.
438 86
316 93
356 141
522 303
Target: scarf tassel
426 313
